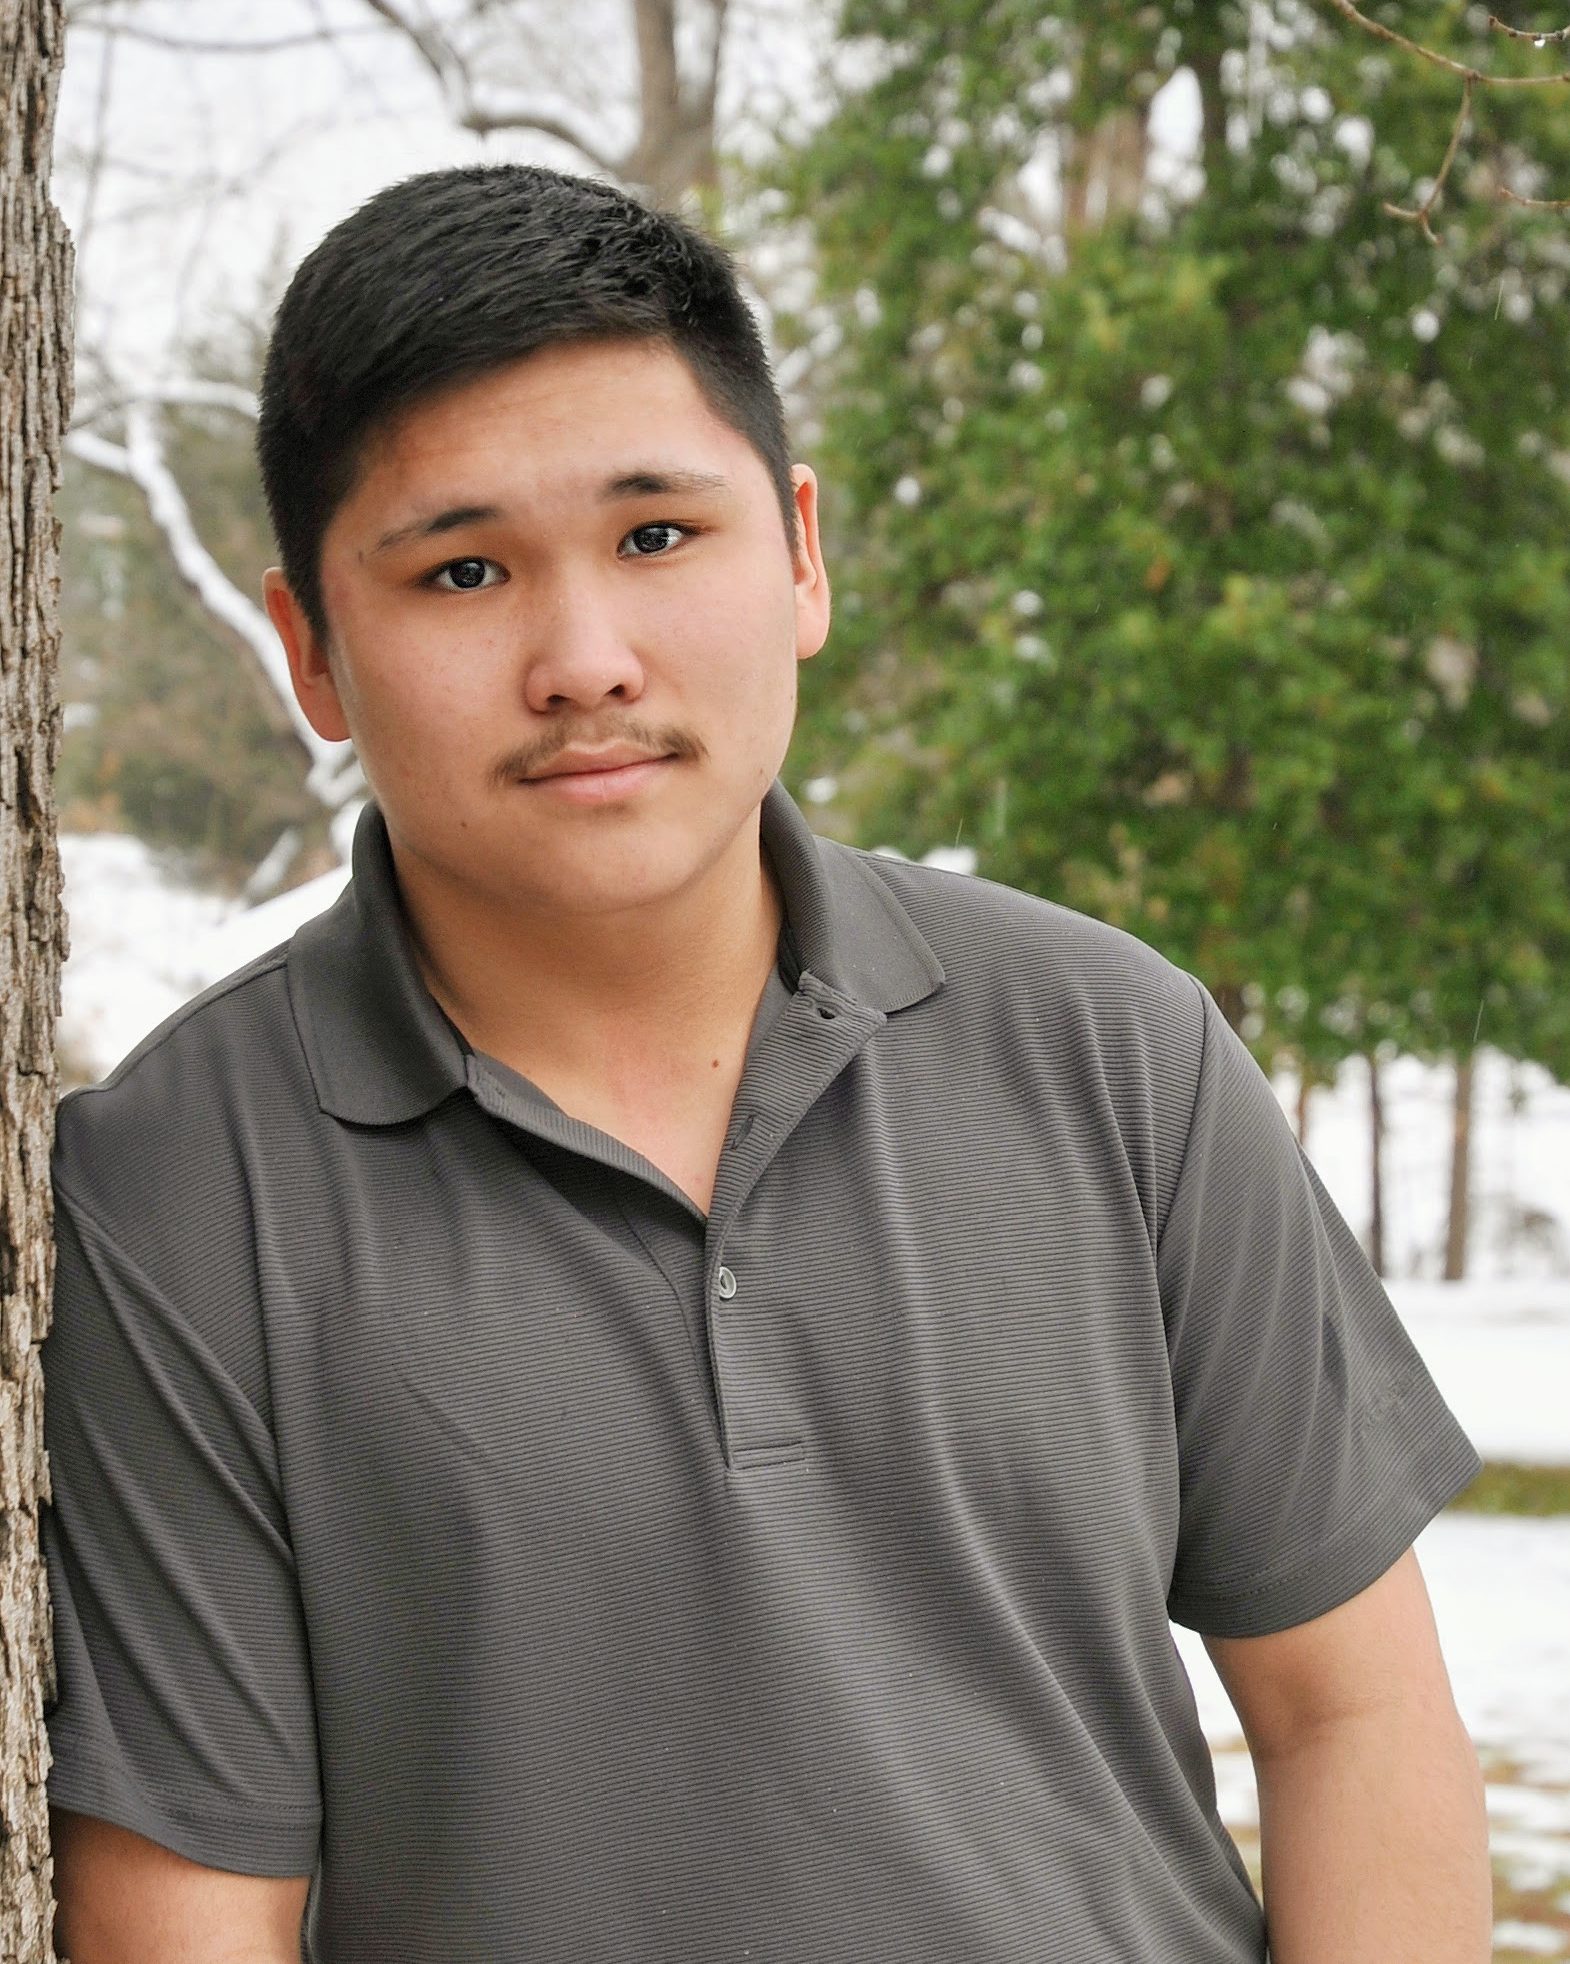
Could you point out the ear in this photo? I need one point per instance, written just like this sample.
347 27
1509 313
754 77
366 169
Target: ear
315 687
811 577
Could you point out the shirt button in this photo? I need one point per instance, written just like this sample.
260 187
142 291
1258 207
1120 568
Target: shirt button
725 1284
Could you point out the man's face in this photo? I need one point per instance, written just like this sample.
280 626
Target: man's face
567 562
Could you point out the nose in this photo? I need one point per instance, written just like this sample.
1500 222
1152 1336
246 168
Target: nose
578 654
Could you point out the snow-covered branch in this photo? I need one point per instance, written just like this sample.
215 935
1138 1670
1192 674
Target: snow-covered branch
178 392
334 775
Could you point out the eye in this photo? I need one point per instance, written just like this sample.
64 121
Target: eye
640 536
463 575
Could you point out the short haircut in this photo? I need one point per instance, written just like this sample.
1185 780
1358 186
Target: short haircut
450 275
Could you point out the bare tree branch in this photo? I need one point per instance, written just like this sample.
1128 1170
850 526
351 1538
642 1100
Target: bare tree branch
1472 79
659 79
432 46
1383 33
180 285
674 151
362 82
332 776
179 392
213 185
1420 216
1533 204
1538 40
1452 67
453 77
121 30
484 122
97 149
272 866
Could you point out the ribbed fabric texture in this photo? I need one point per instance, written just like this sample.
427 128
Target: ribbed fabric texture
432 1516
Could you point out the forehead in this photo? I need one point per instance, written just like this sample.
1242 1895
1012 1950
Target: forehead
562 417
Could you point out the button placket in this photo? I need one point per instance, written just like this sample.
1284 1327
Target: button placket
816 1035
752 1434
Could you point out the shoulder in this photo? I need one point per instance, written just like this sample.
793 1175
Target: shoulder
169 1125
1012 955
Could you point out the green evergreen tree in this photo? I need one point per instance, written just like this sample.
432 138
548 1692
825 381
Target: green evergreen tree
1203 564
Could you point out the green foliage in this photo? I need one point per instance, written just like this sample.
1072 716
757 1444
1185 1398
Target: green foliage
1205 567
1506 1487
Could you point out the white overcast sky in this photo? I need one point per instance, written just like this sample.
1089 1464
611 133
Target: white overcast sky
216 166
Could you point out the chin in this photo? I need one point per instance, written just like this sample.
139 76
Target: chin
601 881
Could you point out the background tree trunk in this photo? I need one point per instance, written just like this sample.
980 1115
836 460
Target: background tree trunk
35 368
1460 1174
1376 1167
1229 1000
1305 1091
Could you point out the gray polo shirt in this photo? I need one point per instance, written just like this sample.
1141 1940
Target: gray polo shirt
445 1507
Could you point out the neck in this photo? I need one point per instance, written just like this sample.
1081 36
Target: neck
635 993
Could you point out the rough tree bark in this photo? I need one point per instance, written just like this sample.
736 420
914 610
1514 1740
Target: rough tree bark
35 368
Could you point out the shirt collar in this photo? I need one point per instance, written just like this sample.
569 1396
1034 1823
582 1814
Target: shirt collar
381 1051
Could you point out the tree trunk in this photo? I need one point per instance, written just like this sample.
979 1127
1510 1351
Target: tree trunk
1305 1091
675 151
1103 172
35 325
1376 1168
1460 1174
1205 46
1231 1003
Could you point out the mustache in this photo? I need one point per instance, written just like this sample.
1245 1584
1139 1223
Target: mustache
657 739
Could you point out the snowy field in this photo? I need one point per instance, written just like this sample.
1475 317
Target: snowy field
1498 1345
1500 1351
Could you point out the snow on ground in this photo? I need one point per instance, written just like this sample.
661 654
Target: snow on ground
135 934
1500 1353
142 943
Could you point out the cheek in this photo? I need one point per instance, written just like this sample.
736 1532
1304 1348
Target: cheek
737 645
409 663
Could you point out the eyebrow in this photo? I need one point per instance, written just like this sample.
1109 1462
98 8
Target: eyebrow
627 484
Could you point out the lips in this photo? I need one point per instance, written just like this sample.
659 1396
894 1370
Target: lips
588 763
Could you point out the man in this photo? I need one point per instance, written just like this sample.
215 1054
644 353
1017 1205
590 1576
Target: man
647 1387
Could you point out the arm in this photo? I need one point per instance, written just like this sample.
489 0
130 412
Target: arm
184 1706
121 1899
1372 1825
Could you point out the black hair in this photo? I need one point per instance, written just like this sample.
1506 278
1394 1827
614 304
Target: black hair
446 276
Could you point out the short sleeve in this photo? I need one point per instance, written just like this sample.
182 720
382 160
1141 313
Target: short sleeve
1313 1446
183 1706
